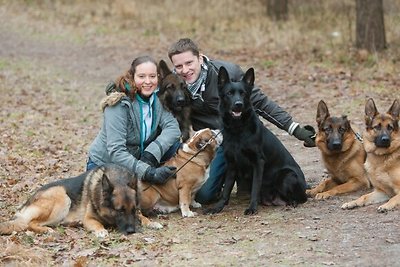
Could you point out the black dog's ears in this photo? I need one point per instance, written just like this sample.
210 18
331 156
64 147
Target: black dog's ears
370 111
163 69
223 77
248 78
394 110
322 112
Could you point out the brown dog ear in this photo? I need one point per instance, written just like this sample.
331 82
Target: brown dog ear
322 112
107 186
370 112
394 110
163 69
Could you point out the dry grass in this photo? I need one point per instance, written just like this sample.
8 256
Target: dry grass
15 254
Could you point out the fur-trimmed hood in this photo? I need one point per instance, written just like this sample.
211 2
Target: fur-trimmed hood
111 99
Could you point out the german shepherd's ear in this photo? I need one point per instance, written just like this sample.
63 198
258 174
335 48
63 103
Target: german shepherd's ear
370 112
394 110
346 122
163 69
248 79
322 112
223 77
107 186
133 182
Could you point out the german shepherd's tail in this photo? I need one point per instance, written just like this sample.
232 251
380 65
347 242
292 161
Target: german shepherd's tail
16 225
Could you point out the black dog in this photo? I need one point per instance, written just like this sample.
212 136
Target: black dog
253 154
175 98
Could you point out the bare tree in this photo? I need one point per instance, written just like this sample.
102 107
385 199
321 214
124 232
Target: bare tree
370 27
277 9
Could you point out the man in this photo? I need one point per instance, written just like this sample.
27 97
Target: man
201 76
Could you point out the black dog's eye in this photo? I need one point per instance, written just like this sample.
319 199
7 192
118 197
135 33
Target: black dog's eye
229 93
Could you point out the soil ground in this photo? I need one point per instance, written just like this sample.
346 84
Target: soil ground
50 89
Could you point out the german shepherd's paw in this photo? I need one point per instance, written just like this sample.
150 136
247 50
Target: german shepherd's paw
101 233
350 205
155 225
318 195
310 193
386 207
323 195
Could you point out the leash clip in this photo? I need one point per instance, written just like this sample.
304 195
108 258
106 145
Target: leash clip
358 137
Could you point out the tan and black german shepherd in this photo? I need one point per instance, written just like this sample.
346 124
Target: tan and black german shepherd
342 153
179 193
104 196
175 98
382 143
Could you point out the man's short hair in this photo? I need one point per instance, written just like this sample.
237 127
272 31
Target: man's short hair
183 45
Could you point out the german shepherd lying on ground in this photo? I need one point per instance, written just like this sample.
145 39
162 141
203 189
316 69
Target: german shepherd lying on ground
104 196
252 152
175 98
342 154
382 143
180 192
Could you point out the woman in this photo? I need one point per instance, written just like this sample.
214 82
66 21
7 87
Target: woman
137 132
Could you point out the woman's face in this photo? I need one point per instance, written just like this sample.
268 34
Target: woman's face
146 79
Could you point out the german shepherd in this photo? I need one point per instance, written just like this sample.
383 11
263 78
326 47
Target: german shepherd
342 153
192 161
104 196
253 154
175 98
382 143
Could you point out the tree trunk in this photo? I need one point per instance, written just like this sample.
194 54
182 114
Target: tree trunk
370 27
277 9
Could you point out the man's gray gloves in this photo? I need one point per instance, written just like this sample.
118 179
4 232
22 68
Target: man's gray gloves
306 134
159 175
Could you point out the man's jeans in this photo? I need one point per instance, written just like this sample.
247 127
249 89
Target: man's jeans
210 191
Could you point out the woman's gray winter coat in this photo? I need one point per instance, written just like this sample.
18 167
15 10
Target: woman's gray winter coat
119 138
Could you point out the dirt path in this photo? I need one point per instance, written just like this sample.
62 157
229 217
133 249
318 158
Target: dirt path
50 90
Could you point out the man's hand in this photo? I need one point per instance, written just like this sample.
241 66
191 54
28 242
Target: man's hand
159 175
306 134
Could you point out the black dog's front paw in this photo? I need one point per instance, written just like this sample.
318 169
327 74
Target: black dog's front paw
215 209
250 211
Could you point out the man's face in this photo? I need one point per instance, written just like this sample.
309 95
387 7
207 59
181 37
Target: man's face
187 65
